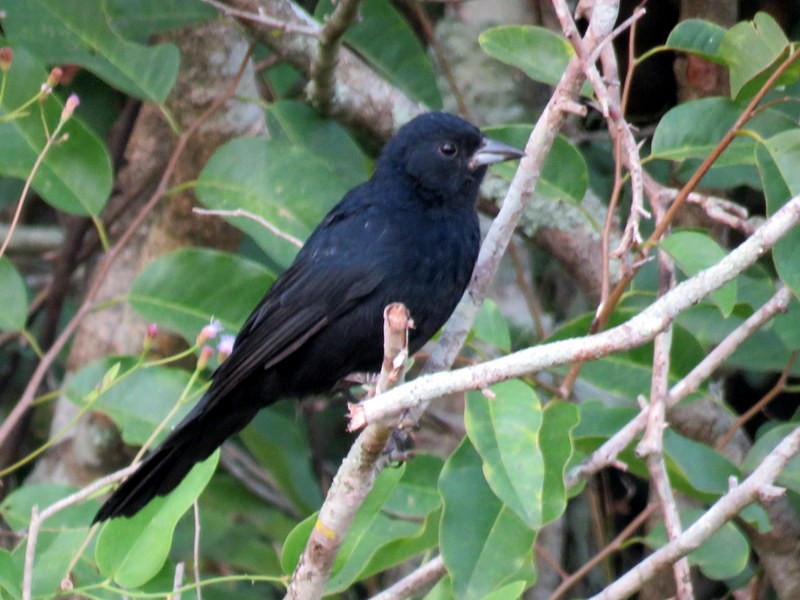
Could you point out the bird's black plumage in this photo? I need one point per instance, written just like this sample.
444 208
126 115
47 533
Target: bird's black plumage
409 234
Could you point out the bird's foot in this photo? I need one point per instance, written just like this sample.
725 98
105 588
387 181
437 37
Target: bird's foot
400 447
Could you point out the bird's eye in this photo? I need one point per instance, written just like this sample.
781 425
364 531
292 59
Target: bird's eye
448 149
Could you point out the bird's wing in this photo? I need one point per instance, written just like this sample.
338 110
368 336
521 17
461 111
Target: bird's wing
326 280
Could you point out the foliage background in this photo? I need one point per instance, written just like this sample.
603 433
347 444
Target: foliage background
101 222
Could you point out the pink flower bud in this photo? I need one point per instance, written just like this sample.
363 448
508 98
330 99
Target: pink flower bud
150 334
209 332
6 57
225 347
72 103
54 77
205 355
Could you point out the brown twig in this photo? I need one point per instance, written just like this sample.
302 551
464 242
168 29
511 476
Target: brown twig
773 392
441 57
691 184
528 293
519 194
614 546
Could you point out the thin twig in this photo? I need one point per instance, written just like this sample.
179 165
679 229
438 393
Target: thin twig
37 518
254 217
441 57
776 389
691 184
614 546
13 418
519 194
606 455
758 484
196 549
528 293
415 582
66 113
264 19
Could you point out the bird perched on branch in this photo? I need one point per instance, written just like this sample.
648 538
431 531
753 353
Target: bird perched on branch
409 234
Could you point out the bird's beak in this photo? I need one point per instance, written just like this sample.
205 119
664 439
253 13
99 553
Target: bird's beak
491 151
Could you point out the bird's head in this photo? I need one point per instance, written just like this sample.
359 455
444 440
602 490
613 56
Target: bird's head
443 155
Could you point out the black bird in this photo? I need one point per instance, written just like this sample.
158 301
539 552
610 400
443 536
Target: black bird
409 234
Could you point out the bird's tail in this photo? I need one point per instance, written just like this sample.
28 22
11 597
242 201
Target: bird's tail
200 433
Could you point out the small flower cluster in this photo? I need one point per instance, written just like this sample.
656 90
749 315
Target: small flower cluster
224 346
207 333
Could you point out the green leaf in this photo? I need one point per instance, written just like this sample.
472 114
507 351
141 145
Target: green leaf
564 176
490 326
723 556
10 576
137 402
295 543
777 163
54 552
694 251
13 298
505 432
693 129
236 528
484 543
790 476
280 445
698 37
749 48
297 124
78 32
403 62
512 591
282 182
539 52
555 440
133 550
388 517
16 507
139 20
415 499
693 468
184 289
697 469
75 175
787 325
358 545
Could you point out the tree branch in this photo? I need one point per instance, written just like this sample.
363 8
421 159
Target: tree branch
606 455
635 332
362 99
356 475
321 89
758 484
519 193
